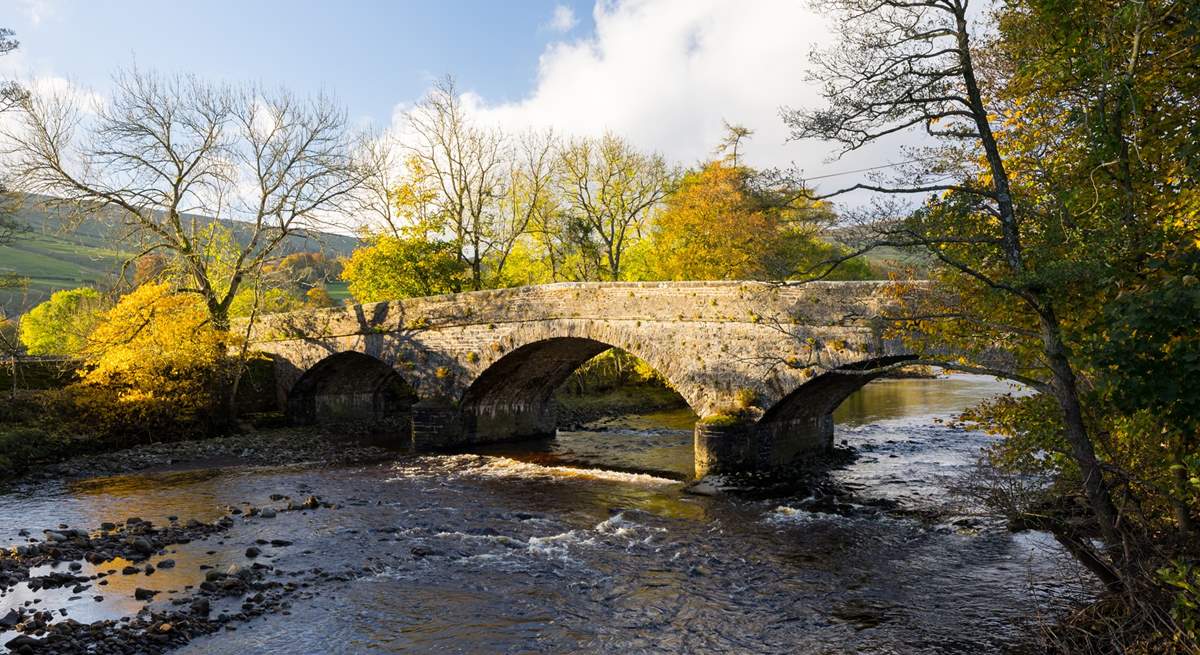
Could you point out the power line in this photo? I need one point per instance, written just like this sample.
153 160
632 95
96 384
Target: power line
864 170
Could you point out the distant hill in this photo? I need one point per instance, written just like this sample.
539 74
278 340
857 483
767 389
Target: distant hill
56 257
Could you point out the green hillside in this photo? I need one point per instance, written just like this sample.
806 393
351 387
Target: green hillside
53 255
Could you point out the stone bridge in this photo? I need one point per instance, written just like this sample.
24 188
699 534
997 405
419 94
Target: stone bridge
762 365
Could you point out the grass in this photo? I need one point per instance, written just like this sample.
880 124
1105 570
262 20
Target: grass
53 255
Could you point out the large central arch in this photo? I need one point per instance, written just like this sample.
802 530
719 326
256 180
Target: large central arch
513 398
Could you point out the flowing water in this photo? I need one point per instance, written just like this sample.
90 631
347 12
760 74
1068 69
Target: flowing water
589 544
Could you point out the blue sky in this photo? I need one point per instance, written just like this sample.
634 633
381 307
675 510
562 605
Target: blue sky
372 54
665 74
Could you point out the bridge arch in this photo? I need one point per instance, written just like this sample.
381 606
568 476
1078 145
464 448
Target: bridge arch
351 387
513 396
808 410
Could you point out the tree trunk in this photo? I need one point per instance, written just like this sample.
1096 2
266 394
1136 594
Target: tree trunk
1179 476
1066 392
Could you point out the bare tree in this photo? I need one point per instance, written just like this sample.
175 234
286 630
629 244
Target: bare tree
465 163
526 198
169 157
611 187
11 93
905 64
374 200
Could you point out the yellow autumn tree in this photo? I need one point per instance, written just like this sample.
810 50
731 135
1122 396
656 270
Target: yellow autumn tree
718 226
153 359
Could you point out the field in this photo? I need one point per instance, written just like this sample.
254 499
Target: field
54 254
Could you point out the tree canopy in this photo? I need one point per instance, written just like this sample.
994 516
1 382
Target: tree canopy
62 324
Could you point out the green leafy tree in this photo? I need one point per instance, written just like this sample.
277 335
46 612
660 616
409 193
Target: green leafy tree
1058 190
404 267
612 190
251 301
61 325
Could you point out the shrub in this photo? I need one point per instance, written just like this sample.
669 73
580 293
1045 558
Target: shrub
153 363
21 447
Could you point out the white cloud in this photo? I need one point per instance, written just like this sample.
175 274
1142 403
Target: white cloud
39 10
667 73
563 19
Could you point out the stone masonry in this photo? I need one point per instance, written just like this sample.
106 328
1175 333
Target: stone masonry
763 365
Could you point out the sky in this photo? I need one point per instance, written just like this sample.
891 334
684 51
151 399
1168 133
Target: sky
663 73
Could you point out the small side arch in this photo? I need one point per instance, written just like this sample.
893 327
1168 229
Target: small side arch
351 387
802 421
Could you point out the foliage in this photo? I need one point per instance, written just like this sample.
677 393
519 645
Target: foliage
154 359
304 270
1146 331
718 225
318 297
265 301
60 326
611 190
611 369
1184 579
477 187
404 267
22 447
1058 201
150 267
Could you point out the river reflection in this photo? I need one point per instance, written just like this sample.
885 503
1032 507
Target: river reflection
565 548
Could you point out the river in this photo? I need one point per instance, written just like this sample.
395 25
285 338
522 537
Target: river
588 543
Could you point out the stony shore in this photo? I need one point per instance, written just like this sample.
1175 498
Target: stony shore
135 547
251 448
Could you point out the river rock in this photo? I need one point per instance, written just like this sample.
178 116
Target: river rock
167 564
55 536
144 594
200 606
253 552
23 641
267 513
142 545
10 620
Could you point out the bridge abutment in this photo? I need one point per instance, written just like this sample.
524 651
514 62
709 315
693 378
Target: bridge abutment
724 444
436 425
509 422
